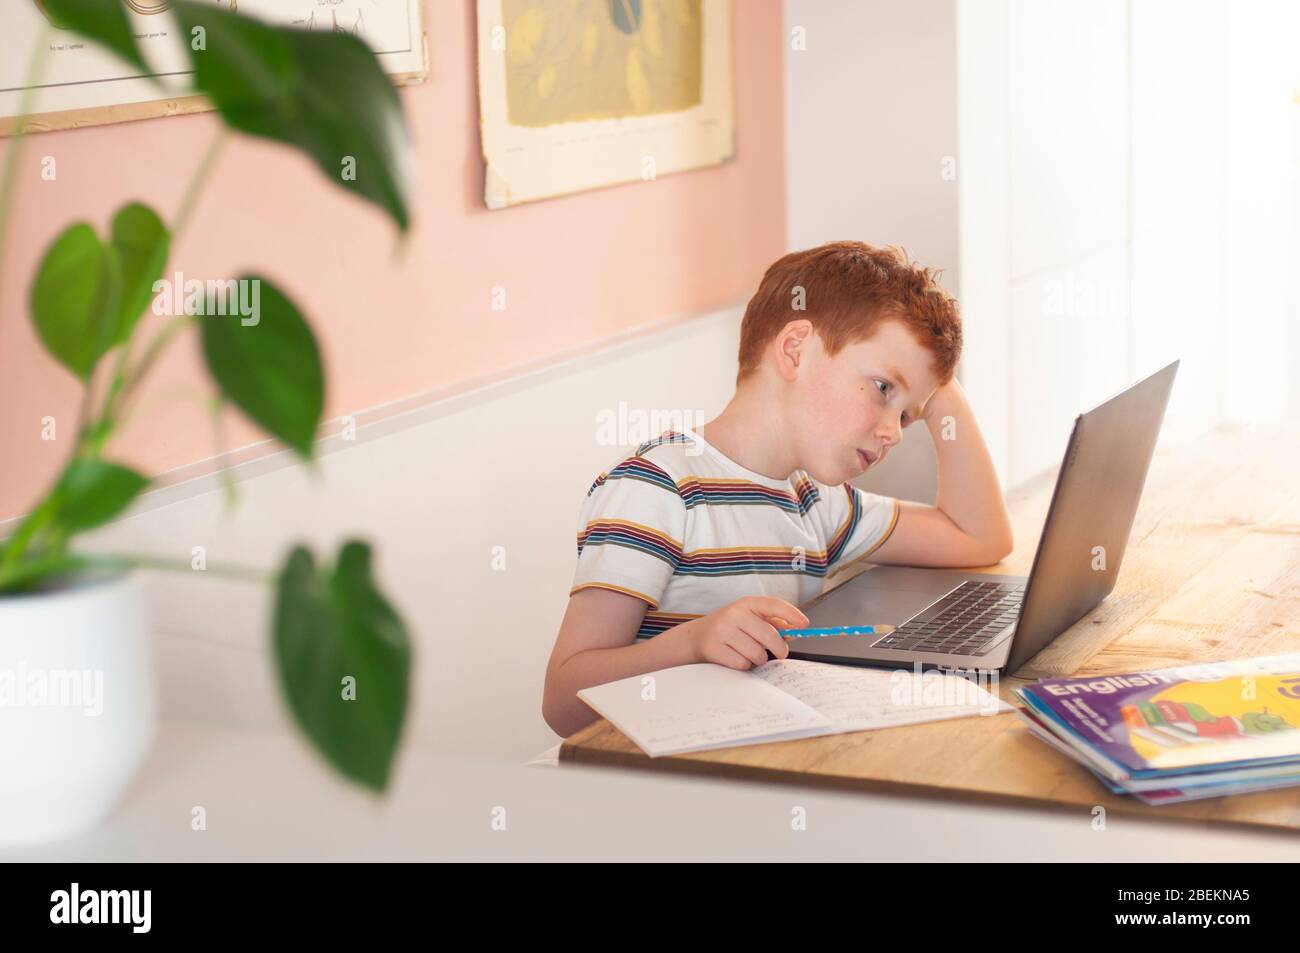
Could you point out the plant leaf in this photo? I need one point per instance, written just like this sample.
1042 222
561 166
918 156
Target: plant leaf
270 369
92 491
332 627
141 241
323 93
75 298
101 21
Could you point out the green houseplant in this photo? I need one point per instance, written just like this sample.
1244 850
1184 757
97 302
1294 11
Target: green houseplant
324 95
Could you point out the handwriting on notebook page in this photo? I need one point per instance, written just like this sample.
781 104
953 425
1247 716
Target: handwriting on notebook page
858 699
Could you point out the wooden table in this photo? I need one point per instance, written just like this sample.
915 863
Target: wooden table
1212 572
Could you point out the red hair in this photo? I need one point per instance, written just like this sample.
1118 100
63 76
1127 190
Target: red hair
848 290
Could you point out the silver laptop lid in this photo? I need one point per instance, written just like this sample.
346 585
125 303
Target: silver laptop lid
1091 515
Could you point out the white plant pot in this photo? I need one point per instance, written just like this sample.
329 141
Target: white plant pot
77 709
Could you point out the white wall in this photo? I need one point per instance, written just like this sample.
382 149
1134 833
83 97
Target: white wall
871 116
1178 201
984 221
871 126
1261 48
1044 217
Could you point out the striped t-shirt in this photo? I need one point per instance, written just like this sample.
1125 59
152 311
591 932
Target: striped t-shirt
688 530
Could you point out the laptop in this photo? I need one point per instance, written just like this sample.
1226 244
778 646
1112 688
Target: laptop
957 619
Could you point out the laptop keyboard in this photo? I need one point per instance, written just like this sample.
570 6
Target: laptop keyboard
964 622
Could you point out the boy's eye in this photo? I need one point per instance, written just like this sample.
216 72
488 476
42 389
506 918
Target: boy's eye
884 386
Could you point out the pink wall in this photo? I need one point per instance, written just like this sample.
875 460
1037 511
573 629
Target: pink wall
576 269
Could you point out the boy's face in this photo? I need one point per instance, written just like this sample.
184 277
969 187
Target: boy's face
849 410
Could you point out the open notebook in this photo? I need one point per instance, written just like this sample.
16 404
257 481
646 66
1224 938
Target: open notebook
698 707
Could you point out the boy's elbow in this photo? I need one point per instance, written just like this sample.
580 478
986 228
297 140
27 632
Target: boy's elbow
1002 548
984 551
553 718
563 721
551 712
564 718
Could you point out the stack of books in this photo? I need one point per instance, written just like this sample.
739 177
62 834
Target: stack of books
1177 734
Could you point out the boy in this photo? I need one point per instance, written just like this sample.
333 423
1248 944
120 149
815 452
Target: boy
703 543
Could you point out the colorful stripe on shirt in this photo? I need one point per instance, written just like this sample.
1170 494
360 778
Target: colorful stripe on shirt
637 468
842 535
739 560
668 436
725 491
652 623
635 536
613 588
845 532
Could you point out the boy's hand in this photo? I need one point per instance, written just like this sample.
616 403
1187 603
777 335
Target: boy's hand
968 524
740 635
941 398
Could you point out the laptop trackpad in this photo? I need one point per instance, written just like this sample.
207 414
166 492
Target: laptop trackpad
870 606
893 596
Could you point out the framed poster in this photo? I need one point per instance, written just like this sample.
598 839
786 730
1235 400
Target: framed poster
82 84
580 94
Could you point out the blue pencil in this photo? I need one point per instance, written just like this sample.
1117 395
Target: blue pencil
833 630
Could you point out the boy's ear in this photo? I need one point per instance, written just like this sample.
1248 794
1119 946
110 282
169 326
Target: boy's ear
791 345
